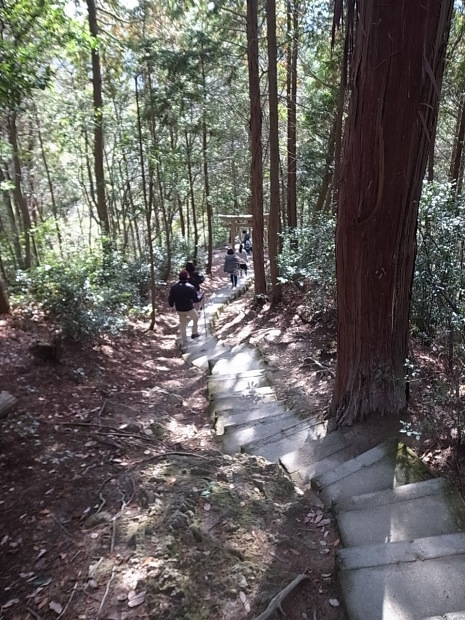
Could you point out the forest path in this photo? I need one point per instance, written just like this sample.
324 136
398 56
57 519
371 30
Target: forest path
404 555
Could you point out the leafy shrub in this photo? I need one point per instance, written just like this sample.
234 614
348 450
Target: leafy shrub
438 302
308 255
181 251
85 295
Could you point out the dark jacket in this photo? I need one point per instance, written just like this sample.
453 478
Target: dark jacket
195 279
231 263
183 296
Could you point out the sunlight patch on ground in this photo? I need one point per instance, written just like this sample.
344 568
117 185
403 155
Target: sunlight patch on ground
273 335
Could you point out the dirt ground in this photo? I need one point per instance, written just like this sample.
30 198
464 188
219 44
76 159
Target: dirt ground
116 501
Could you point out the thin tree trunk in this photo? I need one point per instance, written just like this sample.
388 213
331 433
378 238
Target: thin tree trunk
4 301
455 166
275 207
192 193
328 181
348 35
6 238
431 157
12 222
206 179
256 170
18 193
166 223
102 209
147 210
391 115
50 184
292 22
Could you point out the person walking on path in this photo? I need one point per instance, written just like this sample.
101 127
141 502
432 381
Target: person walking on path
196 279
183 296
231 266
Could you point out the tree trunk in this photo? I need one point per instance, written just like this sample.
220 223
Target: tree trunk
275 207
4 301
192 193
332 164
398 63
50 184
18 192
102 209
206 179
292 33
147 209
12 222
256 171
456 162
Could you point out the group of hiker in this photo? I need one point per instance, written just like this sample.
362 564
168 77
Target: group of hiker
186 296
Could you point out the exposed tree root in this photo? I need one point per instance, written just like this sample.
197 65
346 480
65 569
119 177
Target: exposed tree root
277 600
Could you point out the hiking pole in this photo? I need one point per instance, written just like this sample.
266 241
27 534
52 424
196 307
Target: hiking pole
204 316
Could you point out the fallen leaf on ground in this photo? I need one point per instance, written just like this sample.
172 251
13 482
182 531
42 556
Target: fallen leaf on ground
334 602
136 599
56 607
11 602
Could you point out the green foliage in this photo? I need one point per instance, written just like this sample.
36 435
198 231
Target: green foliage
182 249
84 295
438 293
308 254
29 29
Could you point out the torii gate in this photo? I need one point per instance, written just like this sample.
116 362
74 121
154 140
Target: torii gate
236 223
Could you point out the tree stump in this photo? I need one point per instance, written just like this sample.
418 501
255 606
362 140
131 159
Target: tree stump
7 402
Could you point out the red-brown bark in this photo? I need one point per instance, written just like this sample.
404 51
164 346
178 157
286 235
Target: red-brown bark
275 206
256 169
396 74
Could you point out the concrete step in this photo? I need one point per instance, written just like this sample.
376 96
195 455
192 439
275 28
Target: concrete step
239 382
237 401
399 514
255 394
317 456
206 358
246 413
275 446
383 467
454 615
237 435
204 347
404 580
238 360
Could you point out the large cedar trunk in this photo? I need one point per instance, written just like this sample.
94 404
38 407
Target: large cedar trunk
397 68
256 171
275 207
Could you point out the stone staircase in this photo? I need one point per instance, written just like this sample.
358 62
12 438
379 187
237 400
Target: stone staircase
402 529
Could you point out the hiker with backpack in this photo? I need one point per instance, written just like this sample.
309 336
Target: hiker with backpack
182 297
231 266
196 279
